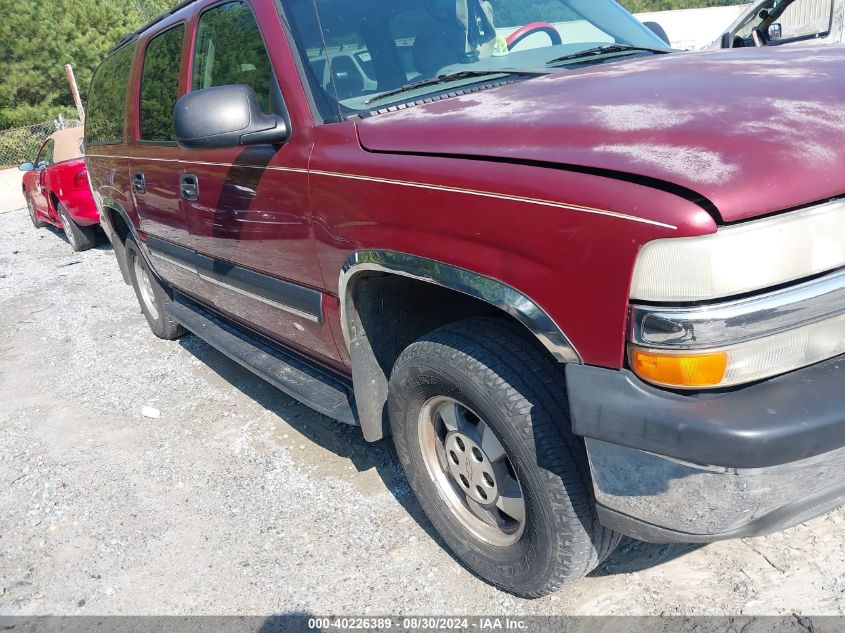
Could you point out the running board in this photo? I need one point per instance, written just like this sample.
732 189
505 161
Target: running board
298 377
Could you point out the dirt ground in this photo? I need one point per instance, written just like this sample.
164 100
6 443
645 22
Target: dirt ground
238 500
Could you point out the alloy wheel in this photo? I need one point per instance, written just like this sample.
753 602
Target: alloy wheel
146 288
71 237
32 213
472 471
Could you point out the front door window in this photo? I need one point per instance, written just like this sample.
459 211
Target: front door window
230 50
45 156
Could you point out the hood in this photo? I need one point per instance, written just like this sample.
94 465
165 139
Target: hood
754 131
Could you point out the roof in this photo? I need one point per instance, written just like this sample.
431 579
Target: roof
68 144
131 37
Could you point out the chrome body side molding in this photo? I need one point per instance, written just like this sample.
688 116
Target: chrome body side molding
277 293
489 290
370 376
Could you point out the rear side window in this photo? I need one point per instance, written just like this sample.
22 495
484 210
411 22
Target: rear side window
230 50
106 118
160 85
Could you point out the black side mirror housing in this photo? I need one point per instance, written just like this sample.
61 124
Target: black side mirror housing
727 40
659 31
226 116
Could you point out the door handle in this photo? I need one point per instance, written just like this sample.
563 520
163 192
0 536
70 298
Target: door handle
189 187
139 182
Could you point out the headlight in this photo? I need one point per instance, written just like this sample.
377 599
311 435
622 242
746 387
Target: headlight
740 259
742 363
740 341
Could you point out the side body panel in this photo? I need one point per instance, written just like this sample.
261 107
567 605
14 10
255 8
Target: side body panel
567 241
251 226
70 185
109 177
158 208
38 192
154 171
245 246
544 232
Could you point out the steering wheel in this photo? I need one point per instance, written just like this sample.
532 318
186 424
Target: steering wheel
535 27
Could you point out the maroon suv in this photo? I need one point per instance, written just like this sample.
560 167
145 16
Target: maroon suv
590 286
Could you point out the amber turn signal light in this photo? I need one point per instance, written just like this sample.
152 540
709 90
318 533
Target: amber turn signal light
685 371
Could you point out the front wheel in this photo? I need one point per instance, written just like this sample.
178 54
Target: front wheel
37 222
480 420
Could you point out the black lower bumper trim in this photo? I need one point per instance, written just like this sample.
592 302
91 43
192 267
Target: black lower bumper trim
782 420
786 517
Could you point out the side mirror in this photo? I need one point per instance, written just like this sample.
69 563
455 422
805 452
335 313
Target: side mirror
26 167
727 40
775 32
226 116
659 31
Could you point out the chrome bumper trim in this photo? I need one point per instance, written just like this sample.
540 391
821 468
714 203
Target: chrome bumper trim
741 320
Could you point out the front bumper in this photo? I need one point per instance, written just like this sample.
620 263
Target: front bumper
698 468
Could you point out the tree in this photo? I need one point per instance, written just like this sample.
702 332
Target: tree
38 38
643 6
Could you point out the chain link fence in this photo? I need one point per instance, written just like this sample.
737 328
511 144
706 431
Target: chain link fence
21 144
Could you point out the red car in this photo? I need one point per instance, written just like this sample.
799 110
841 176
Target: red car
57 192
591 286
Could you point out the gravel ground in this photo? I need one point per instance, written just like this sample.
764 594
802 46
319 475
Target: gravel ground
238 500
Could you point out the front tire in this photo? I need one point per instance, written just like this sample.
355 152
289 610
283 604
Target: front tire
81 238
37 222
152 295
480 420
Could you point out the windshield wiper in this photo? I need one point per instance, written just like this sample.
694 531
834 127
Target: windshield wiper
457 76
603 50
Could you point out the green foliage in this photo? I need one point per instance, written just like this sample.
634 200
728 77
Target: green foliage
21 144
643 6
38 38
106 107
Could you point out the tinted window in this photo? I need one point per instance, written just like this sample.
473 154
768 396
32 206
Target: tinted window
106 117
319 67
45 156
160 85
229 50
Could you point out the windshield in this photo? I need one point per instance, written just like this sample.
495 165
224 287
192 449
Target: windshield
361 55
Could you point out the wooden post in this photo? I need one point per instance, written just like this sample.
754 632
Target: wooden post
74 90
